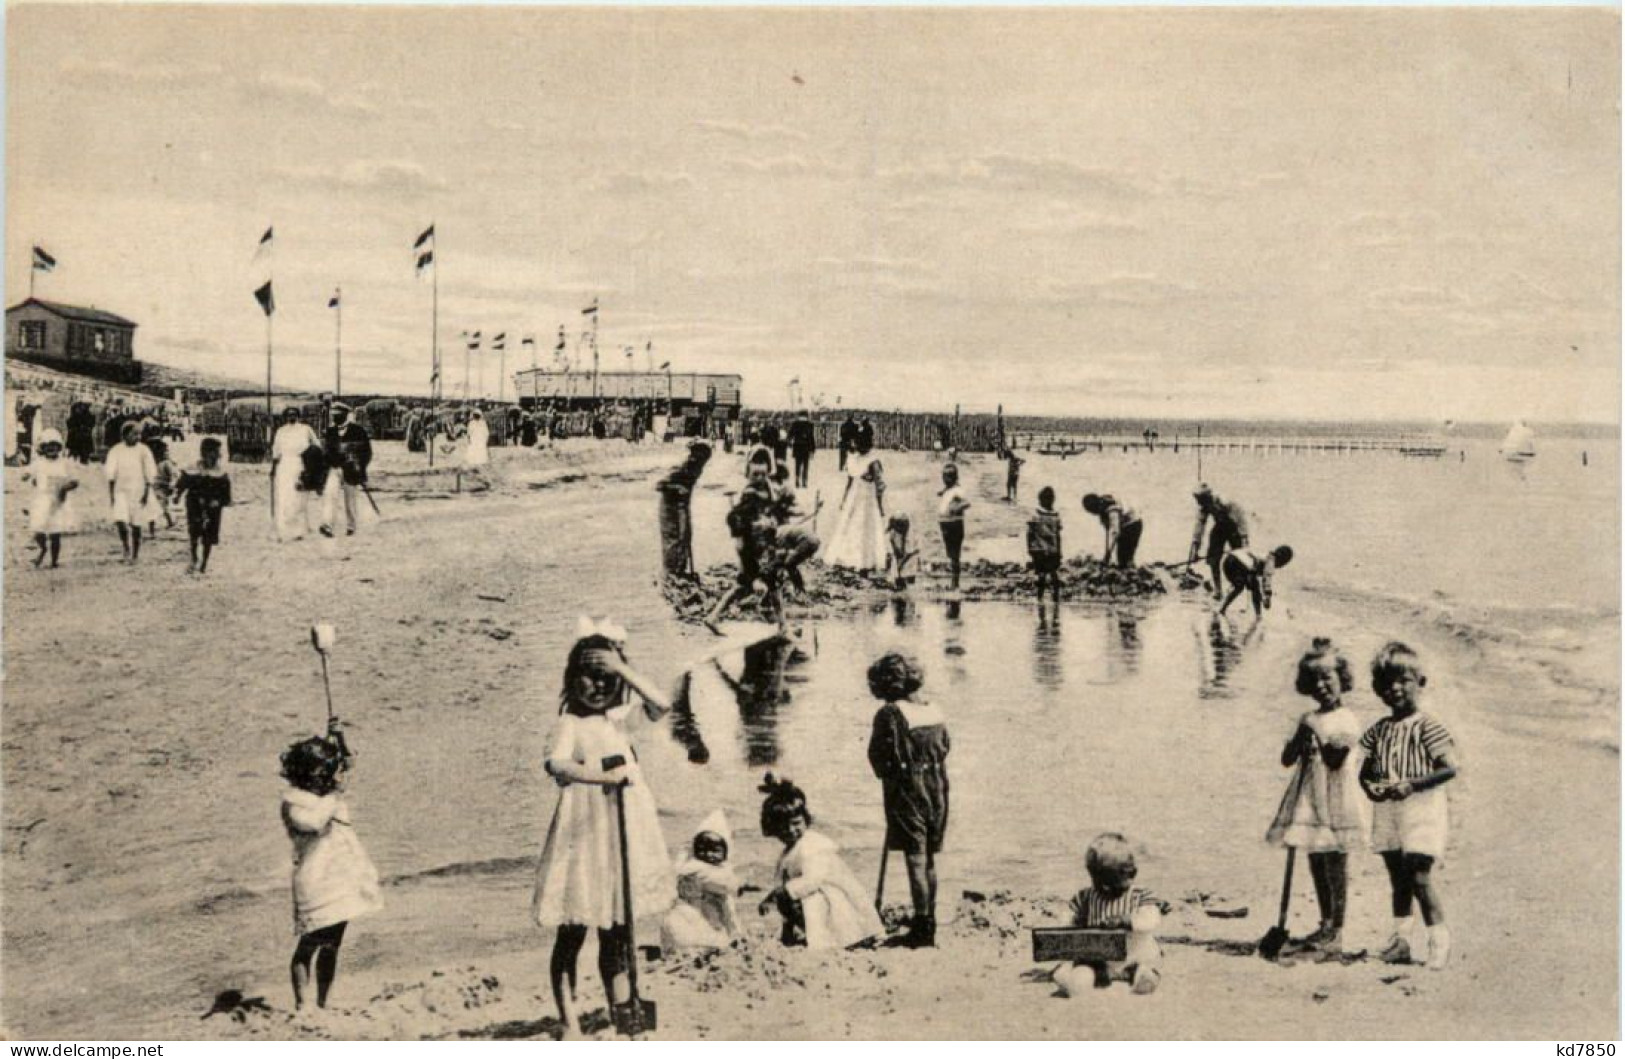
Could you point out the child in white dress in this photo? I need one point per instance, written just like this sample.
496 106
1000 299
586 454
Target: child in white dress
578 879
823 904
1323 811
704 916
50 513
333 881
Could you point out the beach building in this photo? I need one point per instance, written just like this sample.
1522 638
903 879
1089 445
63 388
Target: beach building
73 338
695 402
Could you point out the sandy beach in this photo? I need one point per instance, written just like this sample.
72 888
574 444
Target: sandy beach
146 870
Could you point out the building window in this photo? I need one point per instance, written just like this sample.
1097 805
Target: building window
99 340
31 334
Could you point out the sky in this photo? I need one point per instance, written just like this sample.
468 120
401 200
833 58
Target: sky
1350 213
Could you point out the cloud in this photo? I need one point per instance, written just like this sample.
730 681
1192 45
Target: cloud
1417 301
788 166
640 183
287 88
1120 290
875 265
750 133
1062 218
405 178
1420 228
106 71
1007 172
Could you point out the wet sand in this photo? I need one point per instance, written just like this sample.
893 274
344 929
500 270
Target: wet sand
145 870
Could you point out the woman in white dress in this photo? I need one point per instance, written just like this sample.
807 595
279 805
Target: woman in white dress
859 537
288 447
477 454
131 473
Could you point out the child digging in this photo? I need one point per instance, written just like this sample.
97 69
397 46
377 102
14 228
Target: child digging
1113 902
1409 756
821 901
333 881
908 750
1322 811
207 489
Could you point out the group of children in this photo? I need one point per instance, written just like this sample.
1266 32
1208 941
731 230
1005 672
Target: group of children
142 483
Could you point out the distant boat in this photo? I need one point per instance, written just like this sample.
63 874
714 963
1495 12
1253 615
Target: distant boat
1519 444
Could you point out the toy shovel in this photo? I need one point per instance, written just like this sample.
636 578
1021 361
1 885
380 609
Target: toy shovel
636 1017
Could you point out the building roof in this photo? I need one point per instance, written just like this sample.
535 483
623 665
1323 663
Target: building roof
74 312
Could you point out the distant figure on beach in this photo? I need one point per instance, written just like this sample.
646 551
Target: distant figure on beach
207 492
803 443
858 540
602 791
1409 756
1123 528
1012 474
1323 812
81 432
822 904
477 449
704 916
50 509
1229 531
163 486
349 453
777 438
908 751
754 530
794 542
131 471
1255 575
951 508
676 513
848 438
333 880
1044 545
1113 902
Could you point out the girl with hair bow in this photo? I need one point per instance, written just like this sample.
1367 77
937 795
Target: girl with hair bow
578 879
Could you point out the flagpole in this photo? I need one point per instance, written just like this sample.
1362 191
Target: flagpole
434 347
268 410
595 350
338 341
502 369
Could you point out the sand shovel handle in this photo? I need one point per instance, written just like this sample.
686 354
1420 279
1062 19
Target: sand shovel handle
880 885
327 686
1286 886
626 893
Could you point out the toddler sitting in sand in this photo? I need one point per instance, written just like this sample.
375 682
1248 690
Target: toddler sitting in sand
704 917
1113 902
822 902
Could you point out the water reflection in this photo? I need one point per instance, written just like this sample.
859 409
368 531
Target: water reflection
953 643
762 691
1221 652
1047 649
1122 643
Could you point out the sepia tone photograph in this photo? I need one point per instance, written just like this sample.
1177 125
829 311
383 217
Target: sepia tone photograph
557 523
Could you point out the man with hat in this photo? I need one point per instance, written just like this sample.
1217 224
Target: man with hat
348 450
1229 530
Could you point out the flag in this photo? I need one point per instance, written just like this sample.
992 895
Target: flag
527 341
591 310
796 381
474 340
43 262
425 259
426 237
560 347
499 341
333 302
264 297
263 250
665 366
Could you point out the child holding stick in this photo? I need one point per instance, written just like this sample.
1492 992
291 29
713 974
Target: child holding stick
578 879
333 881
1322 812
1409 756
908 750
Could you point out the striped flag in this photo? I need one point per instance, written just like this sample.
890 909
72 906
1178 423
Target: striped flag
43 262
474 340
665 365
560 347
333 302
423 249
500 341
426 239
591 310
266 299
263 250
527 341
425 259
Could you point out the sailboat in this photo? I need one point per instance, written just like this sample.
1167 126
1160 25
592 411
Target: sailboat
1519 444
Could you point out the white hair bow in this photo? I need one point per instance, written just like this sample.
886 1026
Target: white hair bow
609 630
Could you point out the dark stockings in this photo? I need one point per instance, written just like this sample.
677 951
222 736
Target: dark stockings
1330 872
322 948
1411 875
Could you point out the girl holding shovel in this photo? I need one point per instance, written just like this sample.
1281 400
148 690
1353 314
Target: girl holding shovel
605 828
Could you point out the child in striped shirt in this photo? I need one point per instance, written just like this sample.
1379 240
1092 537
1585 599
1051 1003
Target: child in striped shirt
1113 902
1409 756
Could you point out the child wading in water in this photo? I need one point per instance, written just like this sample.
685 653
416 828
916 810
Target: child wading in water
908 750
1409 756
1322 812
898 553
333 881
951 508
1012 474
822 902
207 489
1254 574
578 879
1113 902
49 513
1044 546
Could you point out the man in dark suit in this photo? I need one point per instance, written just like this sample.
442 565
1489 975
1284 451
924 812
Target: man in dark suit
348 449
803 443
